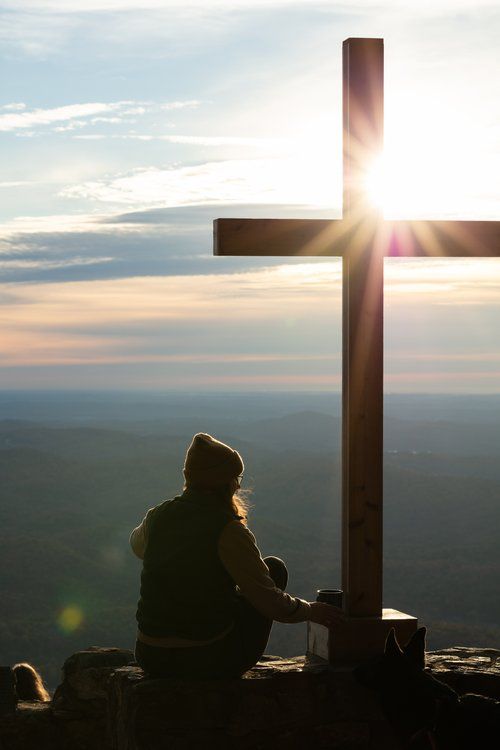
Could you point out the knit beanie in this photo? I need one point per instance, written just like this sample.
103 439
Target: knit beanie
211 463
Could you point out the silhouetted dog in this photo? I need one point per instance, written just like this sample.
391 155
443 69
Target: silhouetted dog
425 711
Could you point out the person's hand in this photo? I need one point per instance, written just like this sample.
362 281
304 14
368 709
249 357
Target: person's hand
325 614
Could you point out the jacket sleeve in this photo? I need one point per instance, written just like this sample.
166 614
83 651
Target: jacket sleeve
241 557
139 536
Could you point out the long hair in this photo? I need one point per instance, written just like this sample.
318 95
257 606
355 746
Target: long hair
236 500
29 684
240 504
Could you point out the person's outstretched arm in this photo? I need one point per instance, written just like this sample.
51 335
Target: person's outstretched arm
241 557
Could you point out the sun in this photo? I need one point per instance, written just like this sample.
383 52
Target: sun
401 187
420 183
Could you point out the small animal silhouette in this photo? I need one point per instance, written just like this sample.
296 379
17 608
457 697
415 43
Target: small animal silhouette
426 712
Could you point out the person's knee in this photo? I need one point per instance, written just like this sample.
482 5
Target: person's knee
278 571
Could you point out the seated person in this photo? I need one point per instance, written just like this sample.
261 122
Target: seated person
208 599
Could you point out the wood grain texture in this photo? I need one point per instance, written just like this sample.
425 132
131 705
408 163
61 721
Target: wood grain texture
340 237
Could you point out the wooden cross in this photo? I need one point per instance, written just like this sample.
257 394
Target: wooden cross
362 238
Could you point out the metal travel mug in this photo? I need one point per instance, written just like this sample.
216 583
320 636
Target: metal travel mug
331 596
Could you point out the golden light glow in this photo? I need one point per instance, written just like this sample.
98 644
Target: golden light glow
403 188
407 183
70 618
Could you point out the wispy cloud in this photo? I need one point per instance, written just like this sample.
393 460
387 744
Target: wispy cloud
37 117
73 125
44 28
17 116
81 6
189 104
287 181
15 183
183 219
22 264
277 326
156 242
90 137
35 32
444 282
168 320
58 223
13 107
274 144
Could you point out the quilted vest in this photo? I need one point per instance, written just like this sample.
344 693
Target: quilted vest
185 589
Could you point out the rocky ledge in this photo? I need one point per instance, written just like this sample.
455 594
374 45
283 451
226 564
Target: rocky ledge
467 670
106 703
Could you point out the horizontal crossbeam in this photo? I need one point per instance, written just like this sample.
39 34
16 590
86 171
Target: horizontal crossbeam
340 237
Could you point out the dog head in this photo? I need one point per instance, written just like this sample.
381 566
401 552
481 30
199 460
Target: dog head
408 694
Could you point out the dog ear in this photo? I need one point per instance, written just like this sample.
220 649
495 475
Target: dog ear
415 648
392 647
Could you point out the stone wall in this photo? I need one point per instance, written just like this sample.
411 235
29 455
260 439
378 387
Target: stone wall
282 704
77 718
105 703
468 670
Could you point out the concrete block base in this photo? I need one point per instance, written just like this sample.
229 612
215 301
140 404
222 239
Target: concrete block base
358 638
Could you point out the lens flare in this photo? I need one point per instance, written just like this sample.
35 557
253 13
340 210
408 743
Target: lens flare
70 618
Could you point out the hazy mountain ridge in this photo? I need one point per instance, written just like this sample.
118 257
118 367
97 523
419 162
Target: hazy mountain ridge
70 496
442 464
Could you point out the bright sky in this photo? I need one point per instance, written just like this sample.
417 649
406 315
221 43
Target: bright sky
126 126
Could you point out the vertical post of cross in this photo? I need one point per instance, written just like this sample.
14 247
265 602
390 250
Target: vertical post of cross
362 334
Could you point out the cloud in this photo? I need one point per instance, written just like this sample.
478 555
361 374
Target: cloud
278 326
13 106
441 282
54 224
90 137
131 111
155 242
182 219
190 329
15 183
36 33
189 320
178 241
41 264
276 144
84 6
19 117
174 28
189 104
73 125
40 117
287 181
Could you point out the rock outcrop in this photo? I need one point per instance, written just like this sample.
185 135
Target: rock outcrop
281 704
468 670
105 703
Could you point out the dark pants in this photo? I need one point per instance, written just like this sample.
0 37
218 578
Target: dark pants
231 656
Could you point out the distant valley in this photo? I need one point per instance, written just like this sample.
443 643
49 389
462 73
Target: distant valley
79 473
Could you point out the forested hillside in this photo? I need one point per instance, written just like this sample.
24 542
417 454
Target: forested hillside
70 494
